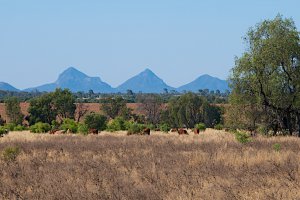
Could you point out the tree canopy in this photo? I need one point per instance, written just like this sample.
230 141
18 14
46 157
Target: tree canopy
267 74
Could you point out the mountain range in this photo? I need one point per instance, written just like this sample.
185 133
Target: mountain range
146 82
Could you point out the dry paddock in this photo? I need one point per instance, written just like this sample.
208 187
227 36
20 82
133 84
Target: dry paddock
211 165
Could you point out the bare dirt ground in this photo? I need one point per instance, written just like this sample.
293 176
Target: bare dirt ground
211 165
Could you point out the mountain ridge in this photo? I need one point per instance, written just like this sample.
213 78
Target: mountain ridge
7 87
146 81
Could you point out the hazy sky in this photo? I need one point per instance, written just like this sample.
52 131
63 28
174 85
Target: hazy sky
116 39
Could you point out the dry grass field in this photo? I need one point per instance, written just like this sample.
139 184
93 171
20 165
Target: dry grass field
212 165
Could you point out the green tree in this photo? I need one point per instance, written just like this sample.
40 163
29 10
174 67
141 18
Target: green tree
64 104
41 109
115 106
267 75
48 107
186 110
13 110
96 121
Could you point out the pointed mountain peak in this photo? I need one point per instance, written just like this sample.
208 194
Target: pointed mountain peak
72 71
146 82
148 71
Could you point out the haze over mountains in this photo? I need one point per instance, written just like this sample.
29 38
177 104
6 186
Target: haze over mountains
146 82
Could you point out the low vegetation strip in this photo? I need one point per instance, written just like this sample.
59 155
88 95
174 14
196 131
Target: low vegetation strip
211 165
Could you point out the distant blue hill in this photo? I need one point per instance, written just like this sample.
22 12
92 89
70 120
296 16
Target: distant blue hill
146 82
7 87
76 81
205 82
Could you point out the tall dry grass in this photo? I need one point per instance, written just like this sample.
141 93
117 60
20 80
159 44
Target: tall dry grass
211 165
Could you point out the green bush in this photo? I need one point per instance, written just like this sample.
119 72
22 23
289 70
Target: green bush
151 126
117 124
277 147
262 130
242 137
69 124
83 129
165 128
135 128
201 126
19 128
10 153
96 121
40 128
219 127
10 126
3 131
54 125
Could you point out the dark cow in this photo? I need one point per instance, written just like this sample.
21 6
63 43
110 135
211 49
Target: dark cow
93 131
146 131
196 130
157 129
182 131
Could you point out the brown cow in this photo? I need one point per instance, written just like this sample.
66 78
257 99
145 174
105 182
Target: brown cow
182 131
93 131
196 130
146 131
53 131
174 130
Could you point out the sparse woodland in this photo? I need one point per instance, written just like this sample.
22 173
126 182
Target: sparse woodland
238 145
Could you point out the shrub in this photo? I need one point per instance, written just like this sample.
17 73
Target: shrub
242 137
40 128
219 127
10 153
3 131
200 126
83 129
277 147
135 128
117 124
164 127
263 130
96 121
69 124
151 126
54 125
19 128
10 126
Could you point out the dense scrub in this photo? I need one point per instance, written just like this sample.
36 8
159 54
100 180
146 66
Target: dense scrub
212 165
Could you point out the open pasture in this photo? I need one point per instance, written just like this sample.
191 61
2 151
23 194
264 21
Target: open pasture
212 165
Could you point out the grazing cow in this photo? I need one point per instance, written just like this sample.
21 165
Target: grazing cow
196 130
253 134
182 131
93 131
53 131
146 131
174 130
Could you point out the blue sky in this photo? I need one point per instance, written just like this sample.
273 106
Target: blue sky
113 39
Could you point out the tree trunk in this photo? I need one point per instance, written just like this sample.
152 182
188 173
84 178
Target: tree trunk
298 118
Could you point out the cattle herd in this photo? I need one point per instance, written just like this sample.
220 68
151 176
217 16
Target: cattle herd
146 131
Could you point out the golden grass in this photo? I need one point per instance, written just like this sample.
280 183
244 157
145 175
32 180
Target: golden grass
211 165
